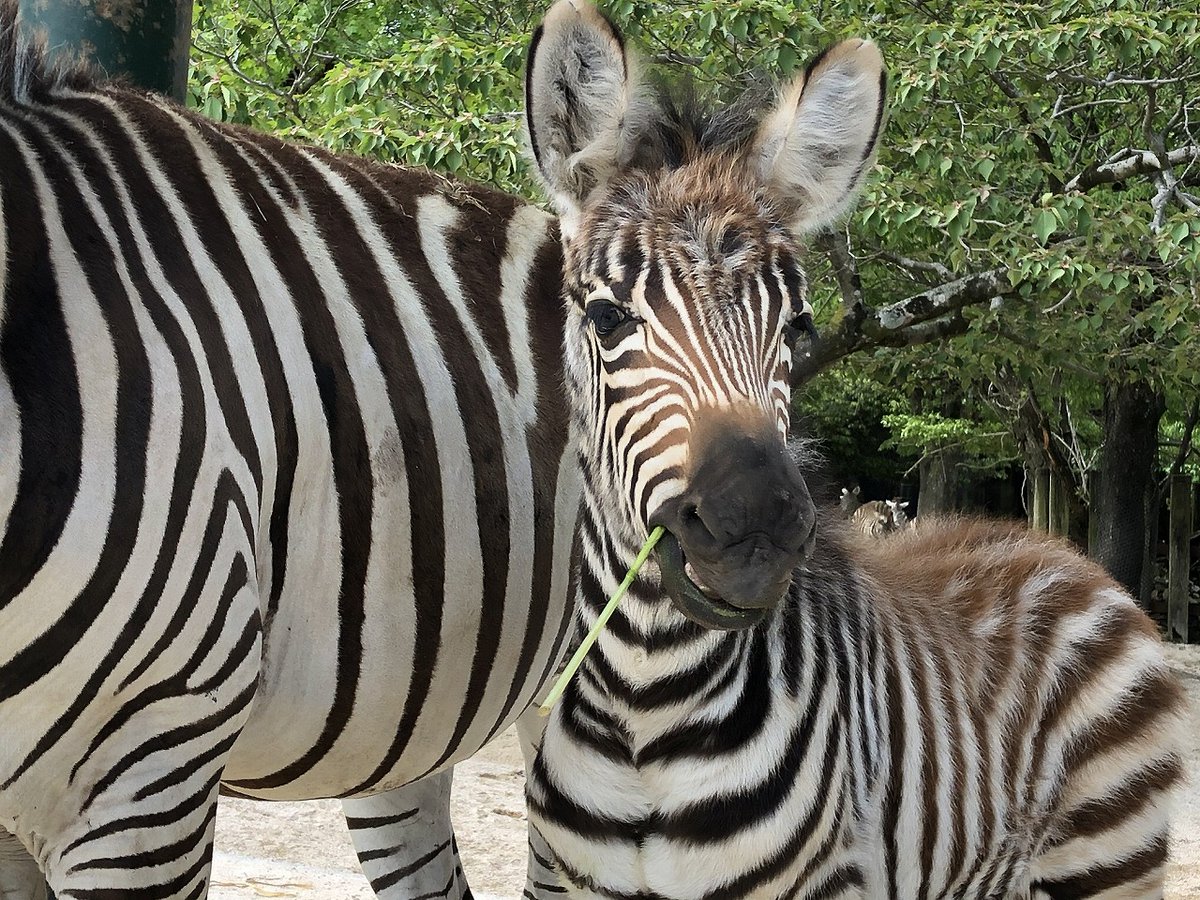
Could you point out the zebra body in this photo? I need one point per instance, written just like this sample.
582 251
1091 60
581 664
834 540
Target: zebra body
776 710
969 712
286 499
875 518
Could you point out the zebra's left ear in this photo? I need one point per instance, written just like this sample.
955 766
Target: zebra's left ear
577 98
816 147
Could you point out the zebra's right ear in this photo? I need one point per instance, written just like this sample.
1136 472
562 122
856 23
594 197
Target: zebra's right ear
577 94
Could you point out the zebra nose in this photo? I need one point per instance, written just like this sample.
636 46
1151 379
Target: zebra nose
745 489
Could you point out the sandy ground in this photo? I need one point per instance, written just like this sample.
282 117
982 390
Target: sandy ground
302 849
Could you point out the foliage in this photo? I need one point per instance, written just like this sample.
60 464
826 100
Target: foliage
984 448
845 415
1035 198
404 83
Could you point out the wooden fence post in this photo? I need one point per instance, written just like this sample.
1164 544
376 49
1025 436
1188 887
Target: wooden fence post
1040 507
1060 505
1178 561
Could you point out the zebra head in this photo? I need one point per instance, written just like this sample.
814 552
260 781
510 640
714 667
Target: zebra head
686 297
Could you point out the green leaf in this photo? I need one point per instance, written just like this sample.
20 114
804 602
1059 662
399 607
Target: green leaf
1044 224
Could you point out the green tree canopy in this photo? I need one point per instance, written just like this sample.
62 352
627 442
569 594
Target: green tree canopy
1032 232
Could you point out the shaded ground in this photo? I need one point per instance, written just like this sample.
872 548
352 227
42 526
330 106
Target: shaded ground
302 849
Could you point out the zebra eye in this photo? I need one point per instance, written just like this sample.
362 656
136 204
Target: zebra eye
605 316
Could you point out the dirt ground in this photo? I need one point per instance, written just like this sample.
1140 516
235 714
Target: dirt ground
302 849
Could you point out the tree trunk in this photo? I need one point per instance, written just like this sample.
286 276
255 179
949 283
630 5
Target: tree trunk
145 40
939 483
1128 460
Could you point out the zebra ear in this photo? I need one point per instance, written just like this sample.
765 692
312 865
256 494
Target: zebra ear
577 93
816 147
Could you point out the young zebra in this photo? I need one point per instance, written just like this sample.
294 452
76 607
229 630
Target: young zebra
970 711
899 512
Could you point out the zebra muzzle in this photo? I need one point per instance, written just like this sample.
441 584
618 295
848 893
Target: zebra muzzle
691 600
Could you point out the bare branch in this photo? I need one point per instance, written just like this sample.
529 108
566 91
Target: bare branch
945 298
1185 446
924 267
1090 104
1130 163
837 247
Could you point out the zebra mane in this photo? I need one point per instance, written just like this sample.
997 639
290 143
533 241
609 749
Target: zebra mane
26 69
683 122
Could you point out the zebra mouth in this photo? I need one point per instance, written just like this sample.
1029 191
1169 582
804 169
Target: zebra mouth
695 602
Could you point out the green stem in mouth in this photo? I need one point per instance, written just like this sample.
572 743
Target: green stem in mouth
601 620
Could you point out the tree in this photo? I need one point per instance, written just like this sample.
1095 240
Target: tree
1025 260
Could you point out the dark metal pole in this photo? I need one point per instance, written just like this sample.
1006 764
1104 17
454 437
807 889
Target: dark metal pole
147 41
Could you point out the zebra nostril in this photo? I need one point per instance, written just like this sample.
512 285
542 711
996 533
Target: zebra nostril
693 524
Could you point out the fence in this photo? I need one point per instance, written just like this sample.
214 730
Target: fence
1049 510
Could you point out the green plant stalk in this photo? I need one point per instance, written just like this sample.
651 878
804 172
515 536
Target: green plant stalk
601 620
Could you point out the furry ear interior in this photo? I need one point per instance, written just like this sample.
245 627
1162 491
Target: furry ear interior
816 147
577 94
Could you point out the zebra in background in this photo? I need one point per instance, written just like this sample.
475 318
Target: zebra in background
970 711
873 518
876 518
899 512
286 498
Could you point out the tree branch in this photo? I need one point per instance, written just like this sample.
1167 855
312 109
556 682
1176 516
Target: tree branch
945 298
1185 447
922 267
836 245
1128 164
929 316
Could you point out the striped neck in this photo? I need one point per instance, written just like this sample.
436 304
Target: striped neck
649 659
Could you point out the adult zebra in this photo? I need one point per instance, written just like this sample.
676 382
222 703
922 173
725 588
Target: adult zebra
965 711
286 501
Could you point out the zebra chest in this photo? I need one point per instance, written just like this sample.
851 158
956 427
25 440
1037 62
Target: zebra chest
686 826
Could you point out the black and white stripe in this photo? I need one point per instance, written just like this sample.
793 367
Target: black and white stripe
285 493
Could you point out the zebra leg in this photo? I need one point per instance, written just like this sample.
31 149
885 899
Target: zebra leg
134 807
20 877
541 881
405 841
1111 865
152 842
